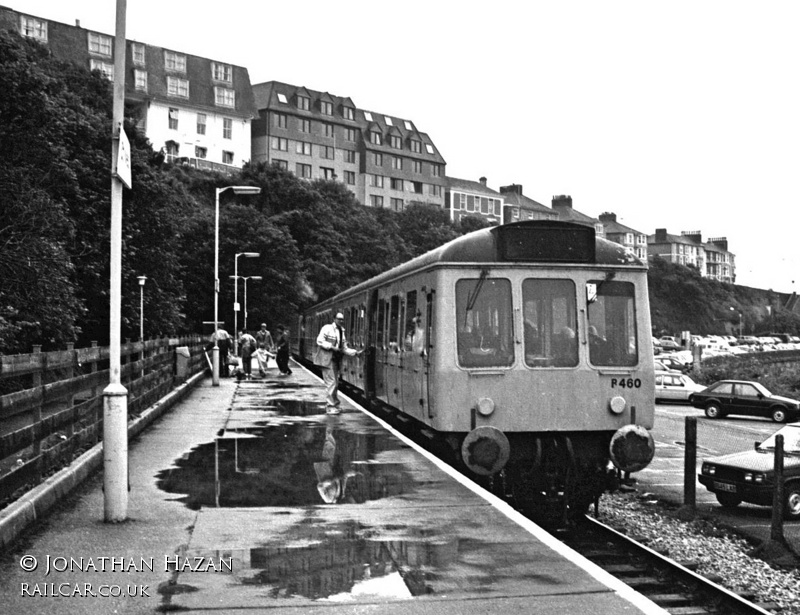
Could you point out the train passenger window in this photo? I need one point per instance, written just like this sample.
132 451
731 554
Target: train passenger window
612 324
411 320
550 323
381 324
394 319
484 322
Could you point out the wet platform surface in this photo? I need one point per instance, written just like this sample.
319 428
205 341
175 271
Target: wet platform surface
317 510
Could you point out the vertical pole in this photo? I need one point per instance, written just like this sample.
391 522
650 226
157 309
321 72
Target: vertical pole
236 305
245 305
115 406
215 351
690 464
776 531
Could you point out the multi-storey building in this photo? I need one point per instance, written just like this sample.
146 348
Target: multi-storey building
465 198
712 259
520 207
384 160
562 205
196 109
634 241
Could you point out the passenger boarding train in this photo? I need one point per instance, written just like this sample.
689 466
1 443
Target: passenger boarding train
525 347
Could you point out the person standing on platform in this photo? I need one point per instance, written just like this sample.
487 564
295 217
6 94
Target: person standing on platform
247 346
266 348
223 341
282 357
331 347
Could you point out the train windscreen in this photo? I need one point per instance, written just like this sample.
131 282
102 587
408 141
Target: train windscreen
484 322
612 323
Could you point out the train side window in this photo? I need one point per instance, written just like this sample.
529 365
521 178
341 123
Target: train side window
484 322
411 321
549 323
381 324
612 324
394 321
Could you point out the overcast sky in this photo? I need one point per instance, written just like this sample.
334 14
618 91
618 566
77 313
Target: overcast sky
682 115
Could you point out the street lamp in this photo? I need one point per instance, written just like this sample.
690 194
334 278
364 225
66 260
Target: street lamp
245 278
142 279
215 351
733 309
236 296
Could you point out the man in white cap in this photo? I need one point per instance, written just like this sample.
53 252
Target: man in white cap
331 347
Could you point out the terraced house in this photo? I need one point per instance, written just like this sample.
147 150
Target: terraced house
197 110
384 160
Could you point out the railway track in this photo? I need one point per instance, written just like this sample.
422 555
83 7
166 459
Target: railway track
674 586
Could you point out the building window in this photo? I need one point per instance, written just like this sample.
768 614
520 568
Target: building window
397 163
350 178
177 87
201 123
175 61
325 107
140 80
408 125
104 67
436 170
172 149
173 119
396 184
303 170
327 152
304 103
200 152
397 204
304 125
327 173
280 120
417 166
227 128
429 148
375 137
100 44
376 200
376 181
327 129
349 156
227 157
349 134
417 187
416 146
377 159
224 97
367 116
281 164
303 148
31 27
280 144
137 51
349 113
396 142
282 99
222 72
436 190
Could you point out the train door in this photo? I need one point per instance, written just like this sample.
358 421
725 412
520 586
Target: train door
393 355
428 348
414 372
380 349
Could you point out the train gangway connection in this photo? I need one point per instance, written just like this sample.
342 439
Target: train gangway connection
248 497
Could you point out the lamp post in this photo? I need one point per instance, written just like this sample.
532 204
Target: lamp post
741 322
142 279
245 278
236 297
215 351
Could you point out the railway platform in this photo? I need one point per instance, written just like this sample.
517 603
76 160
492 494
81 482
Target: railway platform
247 497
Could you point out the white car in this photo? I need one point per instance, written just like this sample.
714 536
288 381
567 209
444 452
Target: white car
675 387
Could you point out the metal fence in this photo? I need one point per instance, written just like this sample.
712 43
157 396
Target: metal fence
51 403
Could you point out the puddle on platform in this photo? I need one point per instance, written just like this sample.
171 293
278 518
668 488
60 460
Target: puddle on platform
282 463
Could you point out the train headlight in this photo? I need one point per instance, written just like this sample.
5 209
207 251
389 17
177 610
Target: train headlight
632 448
617 404
709 469
485 406
748 477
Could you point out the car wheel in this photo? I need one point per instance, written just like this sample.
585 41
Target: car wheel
792 501
779 415
728 500
713 411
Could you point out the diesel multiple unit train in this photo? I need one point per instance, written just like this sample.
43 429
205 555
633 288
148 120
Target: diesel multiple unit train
525 348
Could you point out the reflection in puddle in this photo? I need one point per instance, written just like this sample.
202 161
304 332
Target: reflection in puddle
285 463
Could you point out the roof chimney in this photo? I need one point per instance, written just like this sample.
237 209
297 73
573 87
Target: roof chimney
562 200
512 189
661 235
608 217
483 180
77 23
695 236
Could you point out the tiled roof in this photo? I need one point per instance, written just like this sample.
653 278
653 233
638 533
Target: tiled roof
467 185
522 201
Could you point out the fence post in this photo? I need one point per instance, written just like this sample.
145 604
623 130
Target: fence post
70 374
776 531
689 508
36 382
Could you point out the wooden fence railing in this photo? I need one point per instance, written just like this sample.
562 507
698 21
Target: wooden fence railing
51 403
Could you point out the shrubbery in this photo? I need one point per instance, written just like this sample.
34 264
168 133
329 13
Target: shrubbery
778 371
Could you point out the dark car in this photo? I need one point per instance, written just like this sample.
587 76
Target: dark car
750 476
743 397
674 364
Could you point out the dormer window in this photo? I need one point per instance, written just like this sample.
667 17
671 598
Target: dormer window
137 51
303 103
396 142
31 27
222 72
100 44
104 67
177 87
175 61
349 113
416 146
326 107
375 138
224 97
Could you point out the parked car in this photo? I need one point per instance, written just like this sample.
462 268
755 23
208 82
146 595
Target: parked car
743 397
662 367
673 363
675 386
747 339
750 476
670 344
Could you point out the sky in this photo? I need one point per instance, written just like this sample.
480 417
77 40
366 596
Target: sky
682 115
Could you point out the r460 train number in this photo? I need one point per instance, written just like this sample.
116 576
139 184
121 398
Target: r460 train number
626 383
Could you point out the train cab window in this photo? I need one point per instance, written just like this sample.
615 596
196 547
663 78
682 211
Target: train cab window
550 323
485 330
612 323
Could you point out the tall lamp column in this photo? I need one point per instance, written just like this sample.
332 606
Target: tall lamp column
236 297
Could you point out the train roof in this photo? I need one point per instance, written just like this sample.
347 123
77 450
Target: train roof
531 241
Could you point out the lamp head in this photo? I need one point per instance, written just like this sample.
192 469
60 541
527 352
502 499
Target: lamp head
142 279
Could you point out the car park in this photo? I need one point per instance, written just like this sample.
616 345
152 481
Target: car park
749 476
743 397
748 340
675 387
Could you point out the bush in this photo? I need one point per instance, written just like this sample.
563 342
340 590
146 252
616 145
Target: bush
778 371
